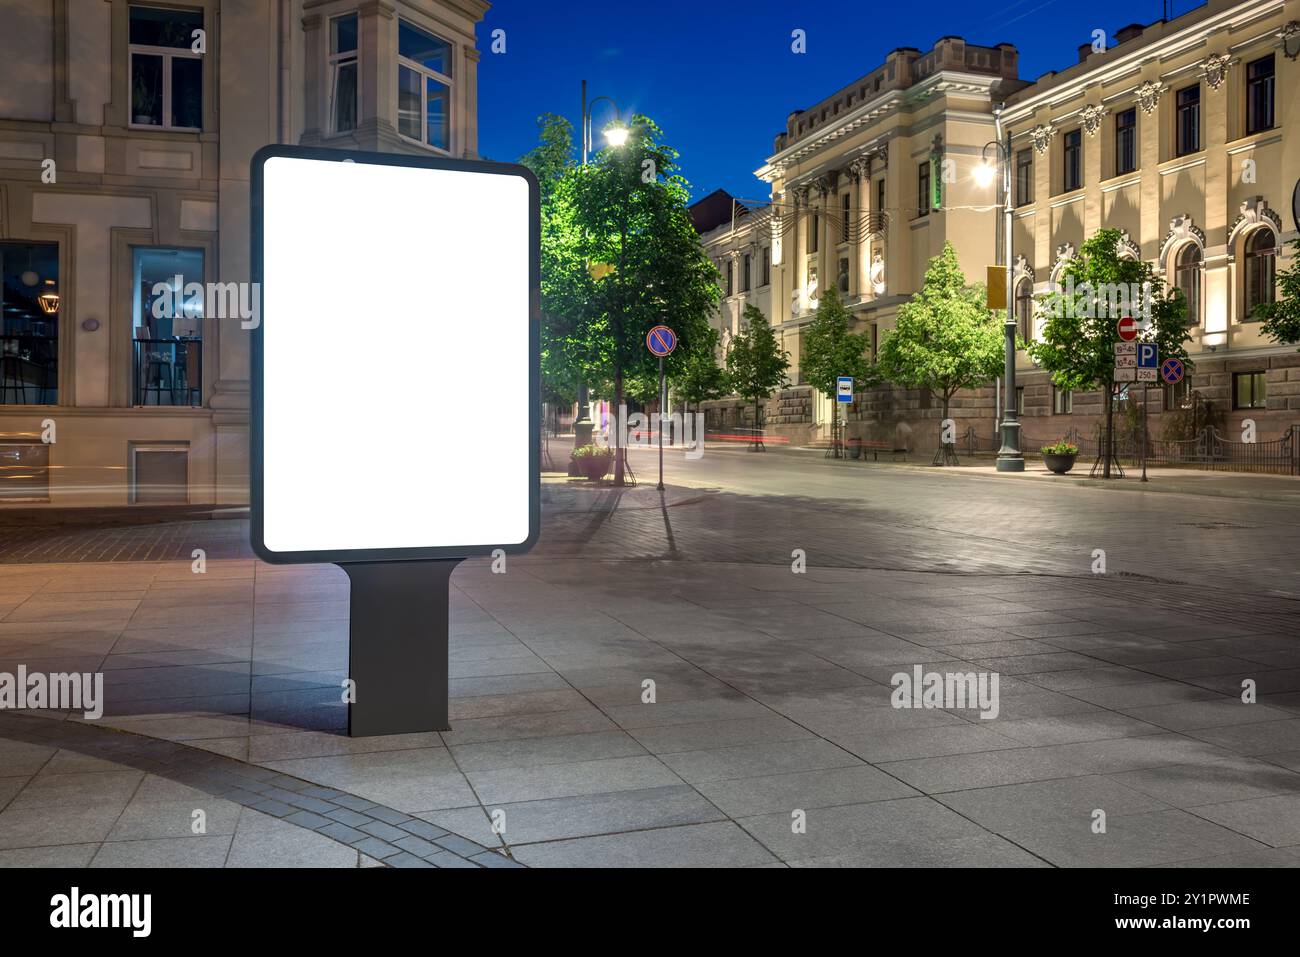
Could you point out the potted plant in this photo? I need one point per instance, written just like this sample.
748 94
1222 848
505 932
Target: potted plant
143 101
593 461
1059 458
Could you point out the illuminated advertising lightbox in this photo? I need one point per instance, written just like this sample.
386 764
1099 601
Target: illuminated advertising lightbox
395 362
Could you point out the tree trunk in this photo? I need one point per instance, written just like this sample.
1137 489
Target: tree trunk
1110 428
619 449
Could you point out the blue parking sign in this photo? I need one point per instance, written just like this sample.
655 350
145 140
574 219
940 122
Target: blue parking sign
1148 355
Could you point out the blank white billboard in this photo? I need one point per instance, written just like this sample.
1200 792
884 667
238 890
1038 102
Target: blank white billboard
395 361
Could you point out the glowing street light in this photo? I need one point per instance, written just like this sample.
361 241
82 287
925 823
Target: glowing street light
616 135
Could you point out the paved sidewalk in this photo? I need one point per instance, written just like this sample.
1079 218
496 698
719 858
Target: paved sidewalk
771 689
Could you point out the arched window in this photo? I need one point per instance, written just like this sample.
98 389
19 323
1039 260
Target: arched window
1187 277
1259 273
1025 309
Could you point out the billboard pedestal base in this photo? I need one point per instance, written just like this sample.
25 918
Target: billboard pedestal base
397 646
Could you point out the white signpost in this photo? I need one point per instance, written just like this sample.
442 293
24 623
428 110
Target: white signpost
394 289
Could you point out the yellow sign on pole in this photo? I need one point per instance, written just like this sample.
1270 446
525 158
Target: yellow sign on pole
997 287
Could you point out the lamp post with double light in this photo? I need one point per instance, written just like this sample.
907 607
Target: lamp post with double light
1010 458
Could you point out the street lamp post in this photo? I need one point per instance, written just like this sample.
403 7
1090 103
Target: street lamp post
583 427
1010 458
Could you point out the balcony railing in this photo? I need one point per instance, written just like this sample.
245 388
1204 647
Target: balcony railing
29 370
168 372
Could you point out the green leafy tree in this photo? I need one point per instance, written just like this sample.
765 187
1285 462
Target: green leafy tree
945 339
625 257
1096 289
700 378
756 363
1282 316
830 350
550 161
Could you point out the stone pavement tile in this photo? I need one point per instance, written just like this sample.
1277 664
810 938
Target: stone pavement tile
410 781
1259 737
755 760
315 744
512 785
562 749
1134 753
260 841
520 664
774 793
448 859
1267 682
471 822
590 814
986 850
860 722
1071 728
720 844
1214 713
146 820
665 739
1030 664
520 727
65 855
1137 840
545 680
910 823
22 759
1117 697
1063 804
1126 648
1199 667
79 789
1274 821
983 769
1212 782
1260 857
923 742
193 851
732 706
537 702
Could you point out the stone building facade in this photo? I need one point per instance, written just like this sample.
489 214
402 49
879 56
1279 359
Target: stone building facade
126 134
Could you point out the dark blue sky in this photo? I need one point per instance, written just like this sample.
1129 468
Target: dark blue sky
719 75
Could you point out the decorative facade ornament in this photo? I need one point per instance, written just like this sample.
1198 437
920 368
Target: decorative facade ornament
1254 212
1215 66
1182 229
1290 37
879 154
1148 95
1090 117
878 273
1021 269
1127 246
800 195
859 168
1041 135
1064 253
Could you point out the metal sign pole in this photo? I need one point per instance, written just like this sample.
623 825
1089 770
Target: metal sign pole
1144 431
663 400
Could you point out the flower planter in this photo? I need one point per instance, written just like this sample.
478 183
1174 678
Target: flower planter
595 467
1059 464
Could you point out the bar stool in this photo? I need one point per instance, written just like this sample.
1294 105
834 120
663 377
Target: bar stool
11 379
156 367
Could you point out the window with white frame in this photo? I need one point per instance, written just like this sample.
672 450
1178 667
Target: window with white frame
343 74
424 73
166 73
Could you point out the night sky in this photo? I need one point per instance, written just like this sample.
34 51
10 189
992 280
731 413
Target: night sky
719 75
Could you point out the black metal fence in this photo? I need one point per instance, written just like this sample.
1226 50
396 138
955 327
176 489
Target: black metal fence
1209 449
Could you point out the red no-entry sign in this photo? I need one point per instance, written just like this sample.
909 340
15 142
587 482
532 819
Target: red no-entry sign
1127 328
